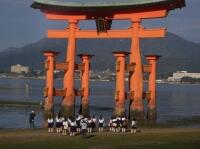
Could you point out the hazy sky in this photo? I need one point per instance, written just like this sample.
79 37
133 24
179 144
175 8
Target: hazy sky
20 24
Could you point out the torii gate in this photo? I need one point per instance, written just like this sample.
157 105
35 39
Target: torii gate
103 17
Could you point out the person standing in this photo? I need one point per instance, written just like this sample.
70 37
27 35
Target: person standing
94 119
83 124
32 119
73 127
50 123
78 121
58 123
101 123
65 126
133 126
89 125
124 124
110 124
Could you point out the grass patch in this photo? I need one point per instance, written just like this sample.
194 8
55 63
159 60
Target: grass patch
19 104
148 138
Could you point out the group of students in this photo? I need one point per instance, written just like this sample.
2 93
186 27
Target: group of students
82 124
120 124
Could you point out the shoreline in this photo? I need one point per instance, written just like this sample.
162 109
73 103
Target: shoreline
93 80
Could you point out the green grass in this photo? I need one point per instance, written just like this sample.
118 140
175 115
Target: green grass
169 138
19 103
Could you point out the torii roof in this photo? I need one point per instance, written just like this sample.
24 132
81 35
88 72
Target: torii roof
101 5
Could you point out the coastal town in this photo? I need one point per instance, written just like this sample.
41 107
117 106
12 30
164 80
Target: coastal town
20 71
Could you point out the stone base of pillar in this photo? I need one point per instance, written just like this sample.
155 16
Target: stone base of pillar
68 111
151 115
137 114
84 110
119 112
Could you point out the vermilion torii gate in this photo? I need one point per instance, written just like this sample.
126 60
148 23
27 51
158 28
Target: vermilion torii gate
103 13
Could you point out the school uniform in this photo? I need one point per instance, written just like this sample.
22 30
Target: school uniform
65 125
78 119
50 122
89 123
124 123
61 121
101 122
133 124
94 122
114 123
57 122
73 126
83 127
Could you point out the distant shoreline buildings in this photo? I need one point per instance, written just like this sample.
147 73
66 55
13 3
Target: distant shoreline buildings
19 69
179 75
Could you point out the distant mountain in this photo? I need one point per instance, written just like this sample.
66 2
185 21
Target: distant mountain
177 53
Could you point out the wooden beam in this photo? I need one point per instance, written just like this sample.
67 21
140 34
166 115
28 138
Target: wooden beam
78 92
139 14
147 68
66 17
142 14
127 33
58 33
152 33
59 92
61 66
108 34
130 67
90 34
146 95
130 95
79 67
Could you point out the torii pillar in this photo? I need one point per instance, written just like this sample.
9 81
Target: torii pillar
120 96
84 109
136 78
68 104
49 89
151 110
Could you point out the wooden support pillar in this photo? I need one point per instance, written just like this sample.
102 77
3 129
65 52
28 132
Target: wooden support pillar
49 89
84 108
68 104
151 112
136 77
120 96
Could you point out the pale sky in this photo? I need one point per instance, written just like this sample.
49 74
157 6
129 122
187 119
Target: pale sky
20 24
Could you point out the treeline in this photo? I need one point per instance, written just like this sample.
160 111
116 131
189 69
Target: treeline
190 80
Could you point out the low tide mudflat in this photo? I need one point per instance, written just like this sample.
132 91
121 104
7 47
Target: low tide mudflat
151 138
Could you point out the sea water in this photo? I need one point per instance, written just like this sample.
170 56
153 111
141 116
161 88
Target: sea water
174 101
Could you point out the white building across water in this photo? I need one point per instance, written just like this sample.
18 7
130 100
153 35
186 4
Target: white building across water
177 76
19 69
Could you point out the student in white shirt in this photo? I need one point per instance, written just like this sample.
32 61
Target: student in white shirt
101 123
89 125
50 124
65 126
83 124
124 124
73 127
133 126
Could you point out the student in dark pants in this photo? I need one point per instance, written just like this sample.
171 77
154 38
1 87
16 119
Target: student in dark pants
32 119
